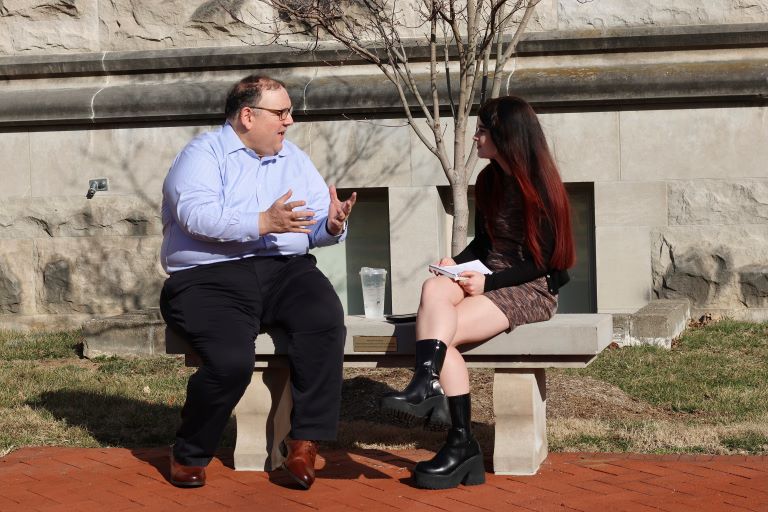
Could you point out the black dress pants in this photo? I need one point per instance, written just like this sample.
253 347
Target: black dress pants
219 308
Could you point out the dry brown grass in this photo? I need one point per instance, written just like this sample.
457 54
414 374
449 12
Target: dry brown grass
583 414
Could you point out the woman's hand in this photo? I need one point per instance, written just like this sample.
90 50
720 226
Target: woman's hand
474 285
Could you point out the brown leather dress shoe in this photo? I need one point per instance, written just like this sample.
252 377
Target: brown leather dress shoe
300 463
186 476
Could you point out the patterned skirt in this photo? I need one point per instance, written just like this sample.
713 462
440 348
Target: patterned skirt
524 304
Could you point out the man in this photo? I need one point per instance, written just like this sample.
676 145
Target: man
241 208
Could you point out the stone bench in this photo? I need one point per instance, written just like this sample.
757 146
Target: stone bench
519 360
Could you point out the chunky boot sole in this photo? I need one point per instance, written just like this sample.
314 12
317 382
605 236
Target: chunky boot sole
434 410
469 472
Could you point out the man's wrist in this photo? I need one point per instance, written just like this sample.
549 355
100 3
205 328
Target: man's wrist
263 223
341 231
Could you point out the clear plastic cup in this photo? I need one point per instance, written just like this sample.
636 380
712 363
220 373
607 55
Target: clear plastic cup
374 285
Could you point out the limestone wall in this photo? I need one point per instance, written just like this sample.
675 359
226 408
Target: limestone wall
673 139
686 216
63 26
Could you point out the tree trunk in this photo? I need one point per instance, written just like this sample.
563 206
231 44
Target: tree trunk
460 217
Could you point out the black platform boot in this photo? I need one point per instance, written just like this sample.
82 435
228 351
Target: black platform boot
423 398
460 460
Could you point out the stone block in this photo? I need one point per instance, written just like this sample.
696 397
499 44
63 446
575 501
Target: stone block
585 144
715 267
658 145
97 275
14 146
659 322
17 278
145 24
135 160
49 25
623 262
103 215
136 333
356 153
631 204
544 17
718 202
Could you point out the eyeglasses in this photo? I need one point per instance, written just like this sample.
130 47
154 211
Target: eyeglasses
281 113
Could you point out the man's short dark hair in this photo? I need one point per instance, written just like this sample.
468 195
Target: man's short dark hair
248 92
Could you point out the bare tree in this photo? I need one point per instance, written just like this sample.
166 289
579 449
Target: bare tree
464 49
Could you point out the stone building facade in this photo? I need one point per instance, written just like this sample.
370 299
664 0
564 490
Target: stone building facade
656 112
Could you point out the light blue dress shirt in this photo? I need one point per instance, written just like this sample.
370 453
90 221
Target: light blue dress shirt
215 190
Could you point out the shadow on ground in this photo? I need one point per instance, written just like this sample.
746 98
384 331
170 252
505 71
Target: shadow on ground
119 421
364 426
116 420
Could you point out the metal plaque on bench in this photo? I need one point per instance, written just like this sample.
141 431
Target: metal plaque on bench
374 343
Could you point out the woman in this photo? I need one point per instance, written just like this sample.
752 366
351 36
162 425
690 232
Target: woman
522 234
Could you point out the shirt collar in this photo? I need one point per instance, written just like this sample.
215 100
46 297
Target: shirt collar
233 143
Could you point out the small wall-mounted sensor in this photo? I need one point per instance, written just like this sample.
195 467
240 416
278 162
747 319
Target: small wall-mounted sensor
97 185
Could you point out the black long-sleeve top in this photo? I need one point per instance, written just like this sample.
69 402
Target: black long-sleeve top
522 267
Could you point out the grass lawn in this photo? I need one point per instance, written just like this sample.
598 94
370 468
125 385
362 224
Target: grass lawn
709 394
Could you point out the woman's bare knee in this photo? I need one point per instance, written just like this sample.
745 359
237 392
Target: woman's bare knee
440 288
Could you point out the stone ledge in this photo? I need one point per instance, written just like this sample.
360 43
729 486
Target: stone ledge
625 39
178 84
735 79
264 57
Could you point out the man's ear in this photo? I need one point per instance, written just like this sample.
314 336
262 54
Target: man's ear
245 117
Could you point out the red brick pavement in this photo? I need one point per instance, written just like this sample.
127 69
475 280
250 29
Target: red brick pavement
113 480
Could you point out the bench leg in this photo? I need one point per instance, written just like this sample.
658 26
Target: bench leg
519 403
263 419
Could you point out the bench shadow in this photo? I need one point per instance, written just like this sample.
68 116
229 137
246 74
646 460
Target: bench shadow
362 424
113 420
121 422
139 425
359 404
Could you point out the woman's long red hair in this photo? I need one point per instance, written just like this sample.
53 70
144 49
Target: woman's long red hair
520 142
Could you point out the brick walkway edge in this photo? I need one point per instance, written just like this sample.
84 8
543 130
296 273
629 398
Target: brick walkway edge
112 480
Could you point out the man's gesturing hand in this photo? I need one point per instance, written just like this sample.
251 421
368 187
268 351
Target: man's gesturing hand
280 217
338 212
